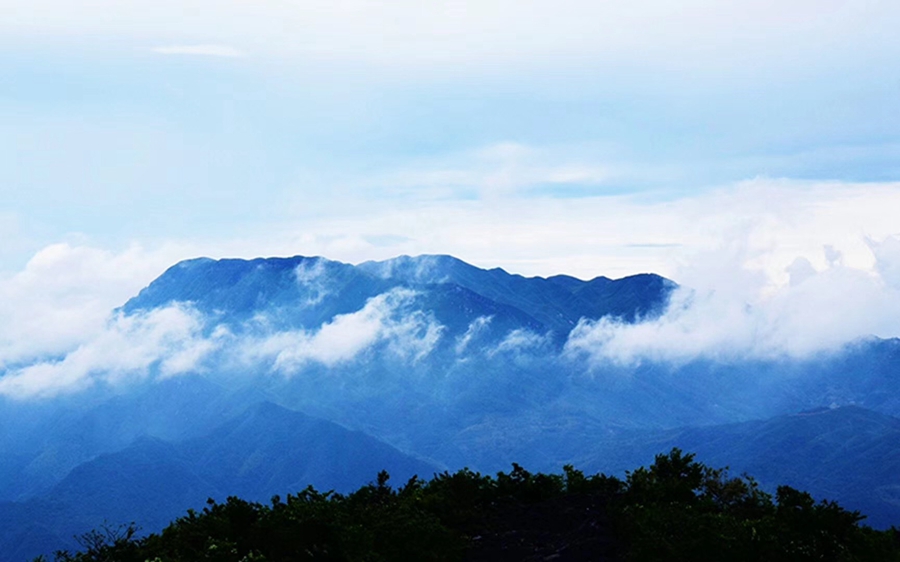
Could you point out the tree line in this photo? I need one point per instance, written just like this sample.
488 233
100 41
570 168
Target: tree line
676 509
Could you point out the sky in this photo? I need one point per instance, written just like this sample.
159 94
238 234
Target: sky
588 138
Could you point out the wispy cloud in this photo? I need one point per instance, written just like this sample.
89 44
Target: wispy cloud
493 171
476 328
517 341
201 50
312 276
388 318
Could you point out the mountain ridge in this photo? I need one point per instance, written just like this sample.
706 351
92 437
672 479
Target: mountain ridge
645 294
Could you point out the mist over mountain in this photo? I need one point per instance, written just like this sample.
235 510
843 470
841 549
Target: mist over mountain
257 377
259 453
848 454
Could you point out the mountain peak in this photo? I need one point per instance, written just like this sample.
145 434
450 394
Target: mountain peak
308 291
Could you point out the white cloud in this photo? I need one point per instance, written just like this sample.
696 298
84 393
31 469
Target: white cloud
517 341
887 260
64 295
425 269
171 341
613 235
189 354
476 327
201 50
409 334
128 347
313 277
492 172
754 254
737 314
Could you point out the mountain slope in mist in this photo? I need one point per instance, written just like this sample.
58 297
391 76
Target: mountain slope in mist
432 356
848 454
264 451
306 292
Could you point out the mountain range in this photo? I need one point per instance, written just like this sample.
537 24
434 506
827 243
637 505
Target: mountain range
260 377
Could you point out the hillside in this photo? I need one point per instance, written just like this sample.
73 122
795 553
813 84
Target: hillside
261 452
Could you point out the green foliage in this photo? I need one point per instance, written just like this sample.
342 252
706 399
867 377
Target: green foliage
679 509
675 509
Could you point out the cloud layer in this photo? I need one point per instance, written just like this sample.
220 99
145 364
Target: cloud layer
737 315
768 269
775 220
177 339
168 338
64 296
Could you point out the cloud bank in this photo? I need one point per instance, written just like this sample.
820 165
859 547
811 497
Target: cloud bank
168 338
768 269
64 296
177 339
737 315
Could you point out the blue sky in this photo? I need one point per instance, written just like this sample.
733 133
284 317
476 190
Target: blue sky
750 150
229 128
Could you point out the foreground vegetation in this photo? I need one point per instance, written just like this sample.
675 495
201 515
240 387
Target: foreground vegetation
676 509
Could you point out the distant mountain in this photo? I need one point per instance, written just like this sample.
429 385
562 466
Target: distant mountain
270 449
69 432
305 370
557 302
264 451
297 291
454 342
848 454
307 291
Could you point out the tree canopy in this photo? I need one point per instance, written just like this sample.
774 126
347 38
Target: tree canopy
675 509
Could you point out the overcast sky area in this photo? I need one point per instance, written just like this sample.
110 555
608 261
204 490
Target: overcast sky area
589 138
